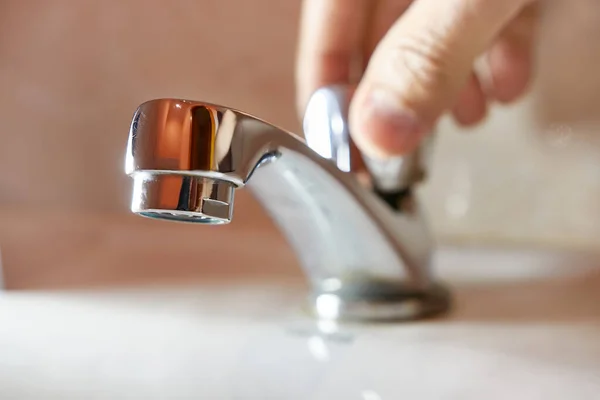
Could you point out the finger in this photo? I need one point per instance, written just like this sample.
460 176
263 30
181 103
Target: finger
471 106
418 69
511 58
382 18
331 34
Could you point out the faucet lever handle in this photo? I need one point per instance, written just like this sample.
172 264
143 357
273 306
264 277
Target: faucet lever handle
326 128
326 131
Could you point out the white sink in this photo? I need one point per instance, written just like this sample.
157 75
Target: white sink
525 325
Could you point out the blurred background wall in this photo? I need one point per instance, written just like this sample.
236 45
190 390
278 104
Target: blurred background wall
73 72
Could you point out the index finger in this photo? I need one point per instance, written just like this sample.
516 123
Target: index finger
331 38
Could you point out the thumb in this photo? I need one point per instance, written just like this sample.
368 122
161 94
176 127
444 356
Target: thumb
419 68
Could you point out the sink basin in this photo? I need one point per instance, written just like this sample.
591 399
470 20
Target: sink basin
525 325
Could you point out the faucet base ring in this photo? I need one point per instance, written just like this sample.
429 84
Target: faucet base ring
380 302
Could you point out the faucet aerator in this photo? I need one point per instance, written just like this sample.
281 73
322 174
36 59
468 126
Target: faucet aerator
182 197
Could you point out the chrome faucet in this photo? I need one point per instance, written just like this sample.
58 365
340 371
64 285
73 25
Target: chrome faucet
363 244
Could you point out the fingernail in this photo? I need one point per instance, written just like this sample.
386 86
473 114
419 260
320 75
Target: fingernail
389 127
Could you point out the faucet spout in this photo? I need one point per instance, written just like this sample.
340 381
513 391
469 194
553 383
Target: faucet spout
365 258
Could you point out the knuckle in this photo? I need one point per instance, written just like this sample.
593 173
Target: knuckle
420 63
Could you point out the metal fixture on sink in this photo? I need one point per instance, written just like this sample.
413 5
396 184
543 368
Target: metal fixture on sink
363 244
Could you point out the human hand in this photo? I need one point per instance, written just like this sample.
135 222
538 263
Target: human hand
415 60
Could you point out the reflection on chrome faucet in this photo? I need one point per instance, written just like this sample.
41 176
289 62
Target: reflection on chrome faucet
364 246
